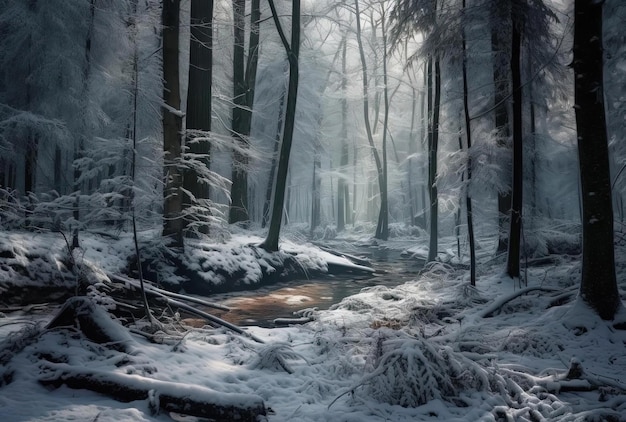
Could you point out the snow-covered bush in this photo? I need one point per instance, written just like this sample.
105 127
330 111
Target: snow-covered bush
532 343
410 372
274 357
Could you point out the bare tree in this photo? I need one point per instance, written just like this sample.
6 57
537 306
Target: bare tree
370 137
292 49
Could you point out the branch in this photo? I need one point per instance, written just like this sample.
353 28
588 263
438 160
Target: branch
487 313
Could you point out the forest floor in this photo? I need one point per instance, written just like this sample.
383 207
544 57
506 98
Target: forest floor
431 349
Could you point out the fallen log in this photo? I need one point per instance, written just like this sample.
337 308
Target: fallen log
95 323
155 291
355 259
295 321
197 312
164 395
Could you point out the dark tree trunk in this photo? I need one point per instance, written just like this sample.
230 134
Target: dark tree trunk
172 124
172 396
271 241
251 67
287 204
343 160
534 206
274 165
30 164
58 170
315 190
411 162
468 134
239 188
382 231
598 286
426 110
355 155
501 93
513 256
79 144
198 116
433 138
370 137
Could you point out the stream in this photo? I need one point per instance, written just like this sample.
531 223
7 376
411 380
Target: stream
262 306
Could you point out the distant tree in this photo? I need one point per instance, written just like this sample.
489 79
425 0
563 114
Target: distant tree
468 136
343 202
434 105
598 287
172 124
382 228
292 49
529 21
382 231
421 16
515 231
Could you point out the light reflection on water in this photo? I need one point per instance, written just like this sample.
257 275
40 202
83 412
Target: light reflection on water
262 306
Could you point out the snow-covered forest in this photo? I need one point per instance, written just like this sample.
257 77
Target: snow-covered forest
355 210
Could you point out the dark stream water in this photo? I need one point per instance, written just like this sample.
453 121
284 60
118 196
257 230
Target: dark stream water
261 307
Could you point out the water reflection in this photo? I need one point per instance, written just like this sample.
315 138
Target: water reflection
262 306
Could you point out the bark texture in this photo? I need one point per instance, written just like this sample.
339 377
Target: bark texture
598 286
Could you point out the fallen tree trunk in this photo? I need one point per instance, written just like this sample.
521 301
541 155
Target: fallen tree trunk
95 323
155 291
498 304
168 396
212 318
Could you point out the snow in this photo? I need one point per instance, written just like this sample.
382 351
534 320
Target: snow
422 351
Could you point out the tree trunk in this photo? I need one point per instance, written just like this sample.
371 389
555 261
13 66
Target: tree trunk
502 125
251 67
468 134
239 189
198 116
176 397
368 129
433 138
315 190
274 165
513 256
172 124
411 162
534 206
271 241
343 160
79 143
355 155
598 287
30 163
382 231
425 113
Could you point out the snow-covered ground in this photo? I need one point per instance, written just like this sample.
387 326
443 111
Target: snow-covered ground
433 349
